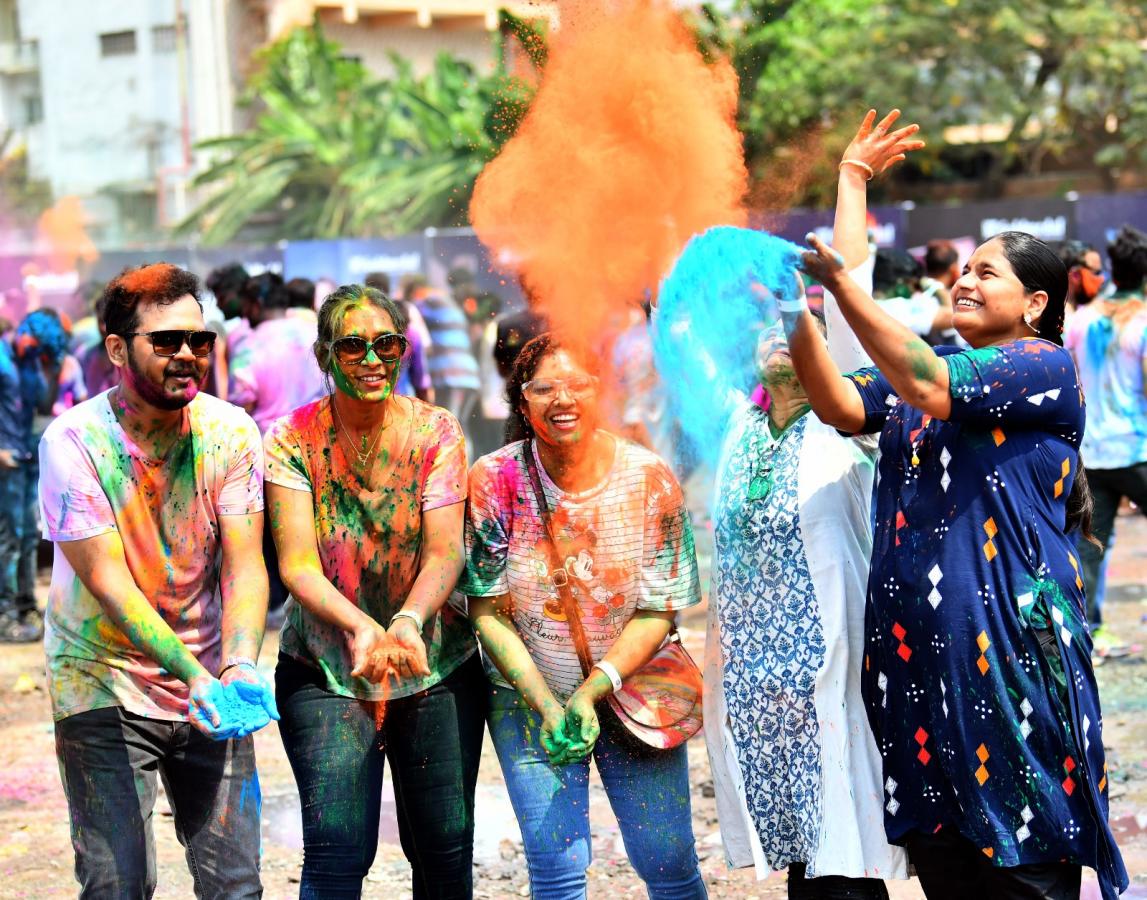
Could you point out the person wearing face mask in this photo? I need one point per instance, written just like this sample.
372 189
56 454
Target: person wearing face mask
365 489
795 767
977 673
563 487
1084 274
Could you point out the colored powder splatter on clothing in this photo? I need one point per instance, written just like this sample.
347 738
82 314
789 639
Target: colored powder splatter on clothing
720 294
630 148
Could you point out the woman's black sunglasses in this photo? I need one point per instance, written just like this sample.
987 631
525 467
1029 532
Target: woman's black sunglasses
169 343
387 347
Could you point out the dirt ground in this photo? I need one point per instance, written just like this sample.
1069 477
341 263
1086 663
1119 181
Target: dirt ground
36 857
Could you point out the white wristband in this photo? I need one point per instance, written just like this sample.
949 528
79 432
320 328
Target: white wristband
408 614
797 304
610 671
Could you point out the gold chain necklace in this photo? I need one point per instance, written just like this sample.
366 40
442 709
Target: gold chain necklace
364 455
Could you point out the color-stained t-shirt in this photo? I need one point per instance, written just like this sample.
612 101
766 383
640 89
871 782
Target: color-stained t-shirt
274 369
627 545
94 479
1108 340
370 539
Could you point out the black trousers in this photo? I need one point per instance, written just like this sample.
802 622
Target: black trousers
1108 488
950 867
833 887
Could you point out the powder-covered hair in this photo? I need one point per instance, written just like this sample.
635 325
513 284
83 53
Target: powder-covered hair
334 309
159 283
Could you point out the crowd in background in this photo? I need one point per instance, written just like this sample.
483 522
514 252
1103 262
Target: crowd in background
461 348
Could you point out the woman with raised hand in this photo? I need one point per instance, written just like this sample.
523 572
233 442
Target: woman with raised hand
617 519
366 492
789 742
977 672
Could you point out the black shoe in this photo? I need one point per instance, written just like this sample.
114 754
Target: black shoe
24 627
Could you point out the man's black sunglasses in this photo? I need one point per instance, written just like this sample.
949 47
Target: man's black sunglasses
169 343
387 347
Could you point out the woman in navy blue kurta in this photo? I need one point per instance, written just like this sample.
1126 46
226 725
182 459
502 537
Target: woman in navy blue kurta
977 675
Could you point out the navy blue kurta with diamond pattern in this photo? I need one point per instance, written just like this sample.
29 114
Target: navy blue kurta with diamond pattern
977 676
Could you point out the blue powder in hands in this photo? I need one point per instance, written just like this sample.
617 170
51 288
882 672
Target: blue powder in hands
240 711
711 308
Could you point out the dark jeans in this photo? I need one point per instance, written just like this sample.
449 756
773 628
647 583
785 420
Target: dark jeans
1108 488
108 760
277 591
433 742
19 536
833 887
647 789
950 867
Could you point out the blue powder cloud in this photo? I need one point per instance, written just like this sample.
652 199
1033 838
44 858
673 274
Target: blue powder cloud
710 310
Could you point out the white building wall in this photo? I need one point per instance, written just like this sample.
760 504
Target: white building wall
373 44
108 120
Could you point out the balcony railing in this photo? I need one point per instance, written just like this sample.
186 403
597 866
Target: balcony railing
19 57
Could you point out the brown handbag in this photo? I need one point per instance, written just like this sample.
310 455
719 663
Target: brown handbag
660 703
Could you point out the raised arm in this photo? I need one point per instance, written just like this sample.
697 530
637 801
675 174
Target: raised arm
872 150
913 369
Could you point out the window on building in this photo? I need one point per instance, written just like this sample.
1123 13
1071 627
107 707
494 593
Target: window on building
33 109
163 38
117 43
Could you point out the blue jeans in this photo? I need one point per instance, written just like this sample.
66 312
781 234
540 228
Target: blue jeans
649 794
19 535
108 760
433 742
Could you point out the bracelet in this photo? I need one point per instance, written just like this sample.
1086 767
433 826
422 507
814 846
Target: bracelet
860 164
610 671
234 661
408 614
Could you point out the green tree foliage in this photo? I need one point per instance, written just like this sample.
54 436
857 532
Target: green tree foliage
1054 78
336 152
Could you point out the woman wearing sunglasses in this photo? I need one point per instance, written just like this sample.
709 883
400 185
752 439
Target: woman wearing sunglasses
618 519
365 492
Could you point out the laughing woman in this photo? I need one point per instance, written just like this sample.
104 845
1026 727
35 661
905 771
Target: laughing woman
619 522
977 672
366 491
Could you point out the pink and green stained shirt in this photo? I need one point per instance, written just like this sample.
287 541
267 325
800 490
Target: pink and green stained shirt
94 479
370 540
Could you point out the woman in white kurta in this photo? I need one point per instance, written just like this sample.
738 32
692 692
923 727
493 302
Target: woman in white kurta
796 768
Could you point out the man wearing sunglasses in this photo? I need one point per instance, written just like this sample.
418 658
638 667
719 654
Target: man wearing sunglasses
152 493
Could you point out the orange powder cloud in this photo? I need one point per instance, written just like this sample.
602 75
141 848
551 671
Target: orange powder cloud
62 229
629 149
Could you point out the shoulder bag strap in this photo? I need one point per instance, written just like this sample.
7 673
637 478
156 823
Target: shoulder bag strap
558 575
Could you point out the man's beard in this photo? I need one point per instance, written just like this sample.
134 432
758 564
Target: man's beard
154 393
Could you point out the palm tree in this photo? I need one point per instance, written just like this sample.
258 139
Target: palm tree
337 152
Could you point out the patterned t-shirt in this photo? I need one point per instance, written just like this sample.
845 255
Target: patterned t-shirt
95 479
370 539
627 545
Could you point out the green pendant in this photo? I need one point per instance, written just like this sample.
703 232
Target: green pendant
760 486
